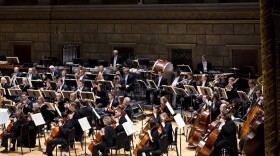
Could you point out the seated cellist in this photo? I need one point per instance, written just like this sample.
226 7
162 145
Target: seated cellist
108 137
14 133
64 127
153 142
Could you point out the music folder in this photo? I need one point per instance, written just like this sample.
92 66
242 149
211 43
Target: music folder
128 128
223 93
169 89
107 84
66 94
142 83
71 82
84 123
205 91
88 95
88 83
19 80
14 92
37 84
180 91
34 93
190 89
243 96
49 94
38 119
153 84
179 120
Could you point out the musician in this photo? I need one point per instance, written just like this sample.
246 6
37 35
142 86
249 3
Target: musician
258 100
218 82
188 99
64 127
160 80
127 107
156 114
204 81
204 66
60 86
175 83
191 81
251 90
204 102
55 73
227 137
120 100
127 82
163 107
214 106
75 116
101 99
63 75
231 89
82 75
25 104
25 85
33 129
113 103
82 87
153 141
48 85
47 114
59 102
120 119
116 59
85 110
167 126
15 132
15 75
108 137
31 75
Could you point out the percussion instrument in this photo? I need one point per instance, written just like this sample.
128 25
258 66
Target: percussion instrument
165 67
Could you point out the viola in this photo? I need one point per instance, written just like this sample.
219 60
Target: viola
54 134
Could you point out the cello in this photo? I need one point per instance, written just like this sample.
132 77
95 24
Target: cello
54 134
98 139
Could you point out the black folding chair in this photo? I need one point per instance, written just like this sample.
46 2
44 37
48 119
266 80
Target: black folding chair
24 135
70 139
119 143
163 148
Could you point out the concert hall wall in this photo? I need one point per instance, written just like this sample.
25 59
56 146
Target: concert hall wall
152 30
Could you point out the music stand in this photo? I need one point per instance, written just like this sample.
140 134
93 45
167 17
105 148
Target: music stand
12 60
184 69
49 94
8 78
71 83
88 95
243 96
169 89
153 84
88 83
91 76
107 84
66 94
110 77
190 89
205 91
223 93
50 106
181 92
53 84
19 80
49 76
37 84
34 93
14 92
2 91
143 85
70 76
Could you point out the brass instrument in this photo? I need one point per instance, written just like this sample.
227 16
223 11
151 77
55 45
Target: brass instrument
230 86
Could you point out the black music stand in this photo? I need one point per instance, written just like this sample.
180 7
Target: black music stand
66 94
182 93
88 83
190 89
88 95
19 80
14 92
71 83
37 84
91 76
153 84
205 91
70 76
223 93
184 69
110 77
244 98
107 84
50 94
49 76
12 60
34 93
143 85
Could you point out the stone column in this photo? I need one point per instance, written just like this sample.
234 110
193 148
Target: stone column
44 2
269 77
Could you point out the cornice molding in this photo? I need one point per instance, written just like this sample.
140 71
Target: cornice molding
216 11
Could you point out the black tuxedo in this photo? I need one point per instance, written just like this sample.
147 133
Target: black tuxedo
130 82
200 67
85 111
128 111
215 110
119 60
33 77
205 85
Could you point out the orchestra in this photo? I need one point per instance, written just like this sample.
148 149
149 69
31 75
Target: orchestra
217 109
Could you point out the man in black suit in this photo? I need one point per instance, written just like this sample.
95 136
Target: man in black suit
55 73
214 106
15 75
15 132
227 137
188 99
31 75
25 104
116 59
85 110
204 66
64 129
128 108
60 86
127 82
120 119
160 80
82 74
176 82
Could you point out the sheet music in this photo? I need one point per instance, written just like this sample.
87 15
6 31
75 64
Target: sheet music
58 111
128 119
170 108
4 116
84 123
97 115
38 119
128 128
179 120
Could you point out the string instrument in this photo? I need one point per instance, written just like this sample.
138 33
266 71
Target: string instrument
98 139
246 127
144 140
200 125
8 129
54 134
255 139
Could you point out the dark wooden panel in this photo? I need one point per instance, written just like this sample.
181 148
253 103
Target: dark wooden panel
23 52
21 2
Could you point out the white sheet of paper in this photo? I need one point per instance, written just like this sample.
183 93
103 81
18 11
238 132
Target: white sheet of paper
58 111
97 115
179 120
38 119
170 108
128 119
4 116
129 129
84 123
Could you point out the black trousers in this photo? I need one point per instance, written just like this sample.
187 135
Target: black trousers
52 143
5 138
98 147
146 150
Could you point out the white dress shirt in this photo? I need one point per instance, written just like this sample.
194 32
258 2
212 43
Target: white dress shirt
175 81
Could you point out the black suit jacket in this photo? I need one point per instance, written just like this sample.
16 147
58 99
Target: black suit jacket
65 128
130 82
120 128
128 111
162 82
206 84
155 143
28 107
119 60
64 87
85 112
216 110
109 136
167 129
193 83
17 125
228 133
200 67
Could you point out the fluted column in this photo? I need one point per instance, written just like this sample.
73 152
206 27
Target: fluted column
269 76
